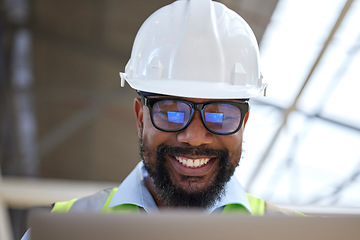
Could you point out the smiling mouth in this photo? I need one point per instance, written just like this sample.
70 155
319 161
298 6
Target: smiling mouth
192 163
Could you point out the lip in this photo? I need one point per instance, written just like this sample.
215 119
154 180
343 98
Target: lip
193 171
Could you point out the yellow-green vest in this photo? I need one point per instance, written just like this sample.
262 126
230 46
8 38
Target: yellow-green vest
99 202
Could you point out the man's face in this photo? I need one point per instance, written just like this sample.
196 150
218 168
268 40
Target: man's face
188 168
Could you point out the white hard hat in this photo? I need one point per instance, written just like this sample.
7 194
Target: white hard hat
197 49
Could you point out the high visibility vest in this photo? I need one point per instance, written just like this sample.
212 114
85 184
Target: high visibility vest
99 202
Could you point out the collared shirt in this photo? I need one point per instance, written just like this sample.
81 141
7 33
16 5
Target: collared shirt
133 191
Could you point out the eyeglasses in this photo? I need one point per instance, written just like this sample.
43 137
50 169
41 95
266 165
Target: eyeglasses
219 117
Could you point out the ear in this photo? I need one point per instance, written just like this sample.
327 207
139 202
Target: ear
138 108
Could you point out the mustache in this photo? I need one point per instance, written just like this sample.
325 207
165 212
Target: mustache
201 151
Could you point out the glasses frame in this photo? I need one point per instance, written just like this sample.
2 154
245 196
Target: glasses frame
243 105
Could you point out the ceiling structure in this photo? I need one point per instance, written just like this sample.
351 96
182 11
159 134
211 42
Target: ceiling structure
307 129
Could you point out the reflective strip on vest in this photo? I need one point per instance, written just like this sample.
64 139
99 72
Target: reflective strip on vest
257 205
63 206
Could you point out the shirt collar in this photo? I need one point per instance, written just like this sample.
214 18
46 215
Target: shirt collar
133 191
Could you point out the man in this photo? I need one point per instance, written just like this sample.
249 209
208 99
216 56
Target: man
194 64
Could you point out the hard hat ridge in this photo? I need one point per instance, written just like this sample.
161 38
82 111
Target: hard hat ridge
199 48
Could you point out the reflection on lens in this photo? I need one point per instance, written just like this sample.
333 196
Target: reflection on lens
214 117
170 115
222 118
176 117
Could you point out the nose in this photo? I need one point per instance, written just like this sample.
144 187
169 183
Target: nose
195 133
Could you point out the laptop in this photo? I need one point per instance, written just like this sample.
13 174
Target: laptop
181 225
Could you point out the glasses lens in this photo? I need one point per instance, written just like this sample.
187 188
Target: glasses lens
222 118
170 115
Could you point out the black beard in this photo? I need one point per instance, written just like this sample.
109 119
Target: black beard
172 195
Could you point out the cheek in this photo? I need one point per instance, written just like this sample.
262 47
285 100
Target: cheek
148 130
233 143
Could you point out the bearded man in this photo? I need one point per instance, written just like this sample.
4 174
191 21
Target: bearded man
195 65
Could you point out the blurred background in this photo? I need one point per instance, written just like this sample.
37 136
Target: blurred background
67 128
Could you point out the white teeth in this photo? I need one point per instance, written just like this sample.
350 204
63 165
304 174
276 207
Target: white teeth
193 163
190 163
196 163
